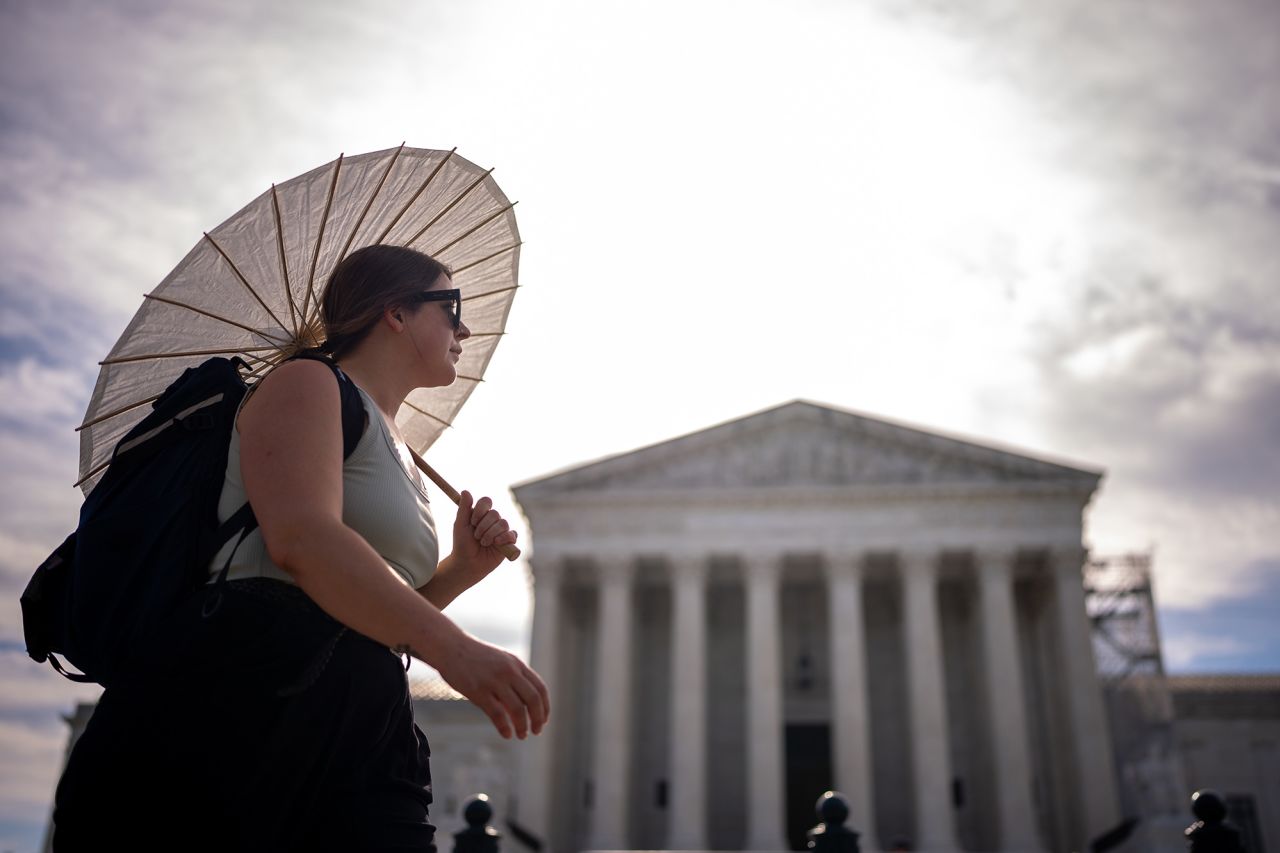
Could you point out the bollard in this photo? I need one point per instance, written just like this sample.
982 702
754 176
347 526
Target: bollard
1211 833
478 837
831 835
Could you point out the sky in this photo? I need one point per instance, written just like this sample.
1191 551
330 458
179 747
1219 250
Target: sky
1046 225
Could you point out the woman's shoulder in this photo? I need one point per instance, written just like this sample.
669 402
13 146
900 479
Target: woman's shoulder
298 386
307 374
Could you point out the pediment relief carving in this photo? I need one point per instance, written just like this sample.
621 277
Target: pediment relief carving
806 445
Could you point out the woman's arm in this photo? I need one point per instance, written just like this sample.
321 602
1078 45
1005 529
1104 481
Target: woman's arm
291 459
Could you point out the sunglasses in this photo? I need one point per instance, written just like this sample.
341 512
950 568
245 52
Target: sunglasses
452 299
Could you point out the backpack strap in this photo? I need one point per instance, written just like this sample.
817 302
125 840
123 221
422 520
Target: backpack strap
243 521
353 413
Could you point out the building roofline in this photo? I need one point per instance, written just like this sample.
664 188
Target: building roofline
799 404
1224 682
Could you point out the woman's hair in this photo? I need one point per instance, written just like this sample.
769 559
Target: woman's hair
366 283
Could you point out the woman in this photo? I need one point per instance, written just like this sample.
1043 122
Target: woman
288 723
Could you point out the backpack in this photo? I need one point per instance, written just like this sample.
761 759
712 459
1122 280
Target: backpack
149 530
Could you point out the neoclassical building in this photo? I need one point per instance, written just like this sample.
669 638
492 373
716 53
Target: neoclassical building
736 620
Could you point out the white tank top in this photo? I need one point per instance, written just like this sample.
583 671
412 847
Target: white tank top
383 499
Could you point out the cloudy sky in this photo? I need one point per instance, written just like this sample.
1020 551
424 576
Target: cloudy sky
1047 225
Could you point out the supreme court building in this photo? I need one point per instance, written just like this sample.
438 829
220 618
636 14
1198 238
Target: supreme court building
736 620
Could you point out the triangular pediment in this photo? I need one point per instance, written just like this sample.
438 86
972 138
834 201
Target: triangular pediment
802 444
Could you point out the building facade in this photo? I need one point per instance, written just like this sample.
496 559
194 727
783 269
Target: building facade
734 621
1227 732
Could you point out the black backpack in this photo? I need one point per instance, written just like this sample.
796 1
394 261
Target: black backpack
149 529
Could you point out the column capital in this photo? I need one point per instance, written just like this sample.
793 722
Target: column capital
994 562
843 565
615 568
919 563
548 569
762 565
689 567
994 553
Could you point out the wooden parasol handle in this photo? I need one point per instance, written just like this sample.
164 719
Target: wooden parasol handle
511 552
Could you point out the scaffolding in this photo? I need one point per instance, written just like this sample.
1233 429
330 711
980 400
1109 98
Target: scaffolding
1126 648
1122 611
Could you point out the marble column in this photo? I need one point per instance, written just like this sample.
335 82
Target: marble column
1090 735
537 783
851 715
688 799
766 770
1016 816
926 696
611 764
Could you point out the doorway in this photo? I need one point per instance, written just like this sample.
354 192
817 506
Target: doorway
809 775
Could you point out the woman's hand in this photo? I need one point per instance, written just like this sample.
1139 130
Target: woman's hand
479 533
498 683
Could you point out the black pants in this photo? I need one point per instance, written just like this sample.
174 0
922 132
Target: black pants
266 726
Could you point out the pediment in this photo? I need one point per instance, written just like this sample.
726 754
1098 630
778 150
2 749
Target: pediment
802 444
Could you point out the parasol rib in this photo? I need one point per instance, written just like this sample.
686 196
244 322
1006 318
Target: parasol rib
428 414
510 248
160 355
263 363
252 357
315 256
438 201
235 269
213 316
423 230
435 253
352 236
490 292
268 365
284 265
414 197
80 482
260 372
109 415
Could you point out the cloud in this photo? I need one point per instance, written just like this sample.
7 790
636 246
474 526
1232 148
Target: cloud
1182 392
33 741
1179 397
1181 66
1150 331
1240 630
38 506
40 468
1115 306
20 555
1185 650
40 392
28 780
31 688
125 126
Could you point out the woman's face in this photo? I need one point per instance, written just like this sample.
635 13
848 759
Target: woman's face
437 345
